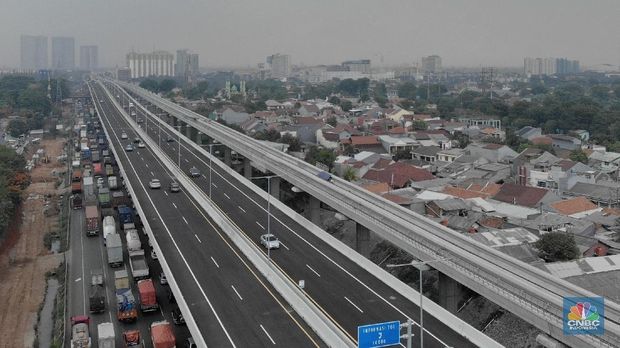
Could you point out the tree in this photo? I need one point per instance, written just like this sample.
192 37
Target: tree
332 121
334 100
349 174
34 99
17 128
578 156
294 145
166 85
557 246
150 84
419 125
407 90
348 150
401 154
346 105
319 155
269 135
462 140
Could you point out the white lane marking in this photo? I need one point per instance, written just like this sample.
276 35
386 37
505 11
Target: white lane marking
267 333
186 160
261 226
175 206
199 241
312 269
243 210
166 193
187 223
236 292
215 262
214 185
204 176
284 245
142 158
226 196
353 304
146 164
78 279
219 320
152 174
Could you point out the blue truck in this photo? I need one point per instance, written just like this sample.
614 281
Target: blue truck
125 217
86 154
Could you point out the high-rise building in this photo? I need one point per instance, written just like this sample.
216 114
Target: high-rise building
89 59
567 66
159 63
123 74
549 66
186 66
360 65
63 53
431 64
33 52
280 65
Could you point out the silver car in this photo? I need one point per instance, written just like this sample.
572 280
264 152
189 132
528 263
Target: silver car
270 241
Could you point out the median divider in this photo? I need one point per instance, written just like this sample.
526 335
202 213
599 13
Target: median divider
313 316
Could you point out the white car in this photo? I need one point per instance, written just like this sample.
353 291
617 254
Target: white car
141 145
270 241
162 279
153 254
123 135
155 184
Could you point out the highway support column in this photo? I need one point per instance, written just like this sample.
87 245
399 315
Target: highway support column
450 293
247 168
362 239
314 207
227 156
275 187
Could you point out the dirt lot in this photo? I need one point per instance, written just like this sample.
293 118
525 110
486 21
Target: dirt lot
24 260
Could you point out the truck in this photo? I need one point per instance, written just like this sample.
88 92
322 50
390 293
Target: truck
88 188
76 187
96 299
96 157
92 220
147 295
97 169
137 263
109 227
83 133
125 216
76 176
106 336
80 337
133 240
132 338
85 154
76 201
119 198
109 170
112 181
104 197
125 301
96 276
105 153
114 248
75 164
162 335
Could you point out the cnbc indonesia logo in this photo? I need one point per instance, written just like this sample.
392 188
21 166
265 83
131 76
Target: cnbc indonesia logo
584 316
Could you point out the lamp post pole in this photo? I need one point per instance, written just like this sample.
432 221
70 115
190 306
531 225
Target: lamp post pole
269 177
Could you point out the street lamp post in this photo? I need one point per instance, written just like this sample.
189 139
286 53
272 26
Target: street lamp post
210 163
269 177
422 266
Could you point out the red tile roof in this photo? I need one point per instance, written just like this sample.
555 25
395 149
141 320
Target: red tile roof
398 174
307 120
521 195
396 198
565 164
463 193
492 146
573 205
365 140
382 163
378 188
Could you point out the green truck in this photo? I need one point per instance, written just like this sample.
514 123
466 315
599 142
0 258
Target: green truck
104 198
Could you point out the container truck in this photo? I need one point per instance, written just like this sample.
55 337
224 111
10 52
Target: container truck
85 154
76 201
97 169
109 170
109 227
104 197
114 248
83 133
76 176
137 263
147 295
132 338
126 303
92 220
119 199
106 336
76 187
96 299
125 216
133 240
112 182
75 164
80 337
96 157
96 276
162 335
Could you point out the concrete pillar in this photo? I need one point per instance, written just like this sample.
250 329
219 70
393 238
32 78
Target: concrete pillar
188 131
199 137
227 156
275 187
247 168
450 293
314 209
362 239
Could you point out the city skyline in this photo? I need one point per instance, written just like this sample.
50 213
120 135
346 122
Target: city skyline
480 32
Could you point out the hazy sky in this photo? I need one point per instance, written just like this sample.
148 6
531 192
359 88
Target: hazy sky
244 32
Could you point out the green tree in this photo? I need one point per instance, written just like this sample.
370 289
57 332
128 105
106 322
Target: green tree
557 246
268 134
320 155
294 145
348 150
579 156
401 154
17 128
419 125
34 99
166 85
346 105
150 84
332 121
334 100
349 174
407 90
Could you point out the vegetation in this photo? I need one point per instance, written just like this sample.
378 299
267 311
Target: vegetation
349 174
316 155
557 246
401 154
158 86
13 180
579 156
197 92
294 145
267 89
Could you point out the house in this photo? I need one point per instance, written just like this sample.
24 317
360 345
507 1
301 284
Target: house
366 143
308 109
426 153
274 105
398 114
398 175
526 196
528 132
449 155
493 133
253 125
445 207
492 152
306 133
234 114
393 145
565 142
604 195
574 207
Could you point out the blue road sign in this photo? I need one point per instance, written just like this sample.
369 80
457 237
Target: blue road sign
378 335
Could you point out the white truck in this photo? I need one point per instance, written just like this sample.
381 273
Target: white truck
106 336
114 247
133 240
109 227
139 267
112 182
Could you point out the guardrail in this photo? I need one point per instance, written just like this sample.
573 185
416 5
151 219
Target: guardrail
324 328
524 290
